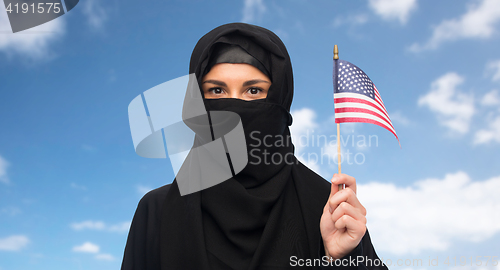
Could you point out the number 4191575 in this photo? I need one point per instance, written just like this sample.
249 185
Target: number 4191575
40 8
477 262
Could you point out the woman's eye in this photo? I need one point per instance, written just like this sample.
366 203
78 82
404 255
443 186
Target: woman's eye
254 91
216 91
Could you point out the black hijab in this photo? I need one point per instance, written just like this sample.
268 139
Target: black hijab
264 214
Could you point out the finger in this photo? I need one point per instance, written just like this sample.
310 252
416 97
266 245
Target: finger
349 181
334 187
333 190
346 195
346 209
350 225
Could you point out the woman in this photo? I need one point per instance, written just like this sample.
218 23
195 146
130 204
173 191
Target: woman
274 214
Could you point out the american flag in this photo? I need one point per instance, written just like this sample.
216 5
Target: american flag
356 97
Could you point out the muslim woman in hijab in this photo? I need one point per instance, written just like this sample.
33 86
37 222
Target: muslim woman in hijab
270 215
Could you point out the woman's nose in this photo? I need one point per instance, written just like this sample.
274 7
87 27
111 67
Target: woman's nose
234 94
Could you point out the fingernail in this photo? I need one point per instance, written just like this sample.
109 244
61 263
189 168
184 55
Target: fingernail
334 179
330 208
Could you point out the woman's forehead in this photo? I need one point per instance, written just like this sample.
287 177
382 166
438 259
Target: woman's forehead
236 71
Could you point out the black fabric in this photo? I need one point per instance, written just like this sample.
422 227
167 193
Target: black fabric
226 53
142 251
267 138
240 213
265 214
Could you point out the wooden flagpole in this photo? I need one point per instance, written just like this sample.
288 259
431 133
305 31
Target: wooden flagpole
336 57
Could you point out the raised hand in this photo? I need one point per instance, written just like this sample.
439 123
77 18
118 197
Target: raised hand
343 222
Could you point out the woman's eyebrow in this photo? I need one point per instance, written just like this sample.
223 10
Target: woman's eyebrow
219 83
251 82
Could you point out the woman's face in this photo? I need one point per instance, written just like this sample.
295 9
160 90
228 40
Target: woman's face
242 81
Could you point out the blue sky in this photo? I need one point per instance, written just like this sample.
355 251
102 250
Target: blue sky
70 180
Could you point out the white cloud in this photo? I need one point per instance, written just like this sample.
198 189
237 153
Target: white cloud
493 68
253 10
101 226
14 243
3 170
315 145
316 142
304 124
491 99
329 154
431 214
302 131
34 43
393 9
105 257
96 14
453 108
490 134
92 248
478 22
87 247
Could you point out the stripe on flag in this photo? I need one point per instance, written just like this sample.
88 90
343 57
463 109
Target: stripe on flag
357 99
